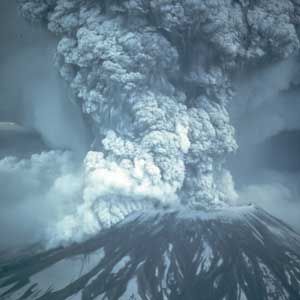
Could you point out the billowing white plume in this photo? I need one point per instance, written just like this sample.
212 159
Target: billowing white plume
110 192
154 78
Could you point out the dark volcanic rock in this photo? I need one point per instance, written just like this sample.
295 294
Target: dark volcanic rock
237 253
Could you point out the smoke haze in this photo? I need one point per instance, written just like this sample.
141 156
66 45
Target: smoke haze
265 115
38 191
35 194
32 92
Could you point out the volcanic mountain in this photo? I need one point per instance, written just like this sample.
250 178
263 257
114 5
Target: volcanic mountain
232 254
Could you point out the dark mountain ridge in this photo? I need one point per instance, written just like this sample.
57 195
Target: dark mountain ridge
234 253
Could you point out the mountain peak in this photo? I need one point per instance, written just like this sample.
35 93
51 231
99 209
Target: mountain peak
233 253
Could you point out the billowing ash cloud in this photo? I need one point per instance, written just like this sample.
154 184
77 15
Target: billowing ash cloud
155 78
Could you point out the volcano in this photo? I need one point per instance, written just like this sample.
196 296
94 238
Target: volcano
233 253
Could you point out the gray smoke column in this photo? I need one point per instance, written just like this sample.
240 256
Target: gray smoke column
155 79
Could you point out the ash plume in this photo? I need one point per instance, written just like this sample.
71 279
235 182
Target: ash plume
155 80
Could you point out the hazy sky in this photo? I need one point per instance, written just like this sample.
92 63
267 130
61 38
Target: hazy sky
265 113
31 91
33 94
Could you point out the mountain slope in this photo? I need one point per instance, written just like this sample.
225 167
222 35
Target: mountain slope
236 253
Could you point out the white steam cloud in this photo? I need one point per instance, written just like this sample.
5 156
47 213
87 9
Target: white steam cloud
35 194
109 193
